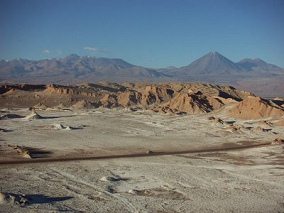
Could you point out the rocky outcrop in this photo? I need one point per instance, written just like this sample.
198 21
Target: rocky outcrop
192 98
129 98
187 103
253 107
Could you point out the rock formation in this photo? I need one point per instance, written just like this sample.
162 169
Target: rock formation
177 98
253 107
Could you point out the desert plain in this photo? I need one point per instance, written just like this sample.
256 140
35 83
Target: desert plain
137 148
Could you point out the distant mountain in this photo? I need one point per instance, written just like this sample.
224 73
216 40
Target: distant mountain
250 74
215 64
72 69
211 63
258 65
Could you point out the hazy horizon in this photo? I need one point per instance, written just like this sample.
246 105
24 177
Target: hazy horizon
173 65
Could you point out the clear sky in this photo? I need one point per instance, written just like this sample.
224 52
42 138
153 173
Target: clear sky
153 33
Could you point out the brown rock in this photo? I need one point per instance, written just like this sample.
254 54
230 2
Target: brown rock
255 108
278 141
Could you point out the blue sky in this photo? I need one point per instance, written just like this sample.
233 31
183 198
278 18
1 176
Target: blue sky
153 33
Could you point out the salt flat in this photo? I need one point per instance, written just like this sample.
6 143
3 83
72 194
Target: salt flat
246 180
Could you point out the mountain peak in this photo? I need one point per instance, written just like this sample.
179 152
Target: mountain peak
259 65
72 56
212 63
213 53
254 60
119 63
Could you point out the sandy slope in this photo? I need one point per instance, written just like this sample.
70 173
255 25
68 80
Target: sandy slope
249 180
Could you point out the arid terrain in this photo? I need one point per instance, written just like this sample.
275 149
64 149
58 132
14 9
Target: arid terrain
129 147
262 78
141 106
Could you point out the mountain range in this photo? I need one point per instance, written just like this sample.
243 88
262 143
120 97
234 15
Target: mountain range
254 75
214 63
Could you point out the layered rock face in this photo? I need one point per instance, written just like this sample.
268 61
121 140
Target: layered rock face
177 98
255 108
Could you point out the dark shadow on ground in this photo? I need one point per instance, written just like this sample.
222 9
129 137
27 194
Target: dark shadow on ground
76 128
30 199
10 116
5 130
54 117
38 153
41 199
